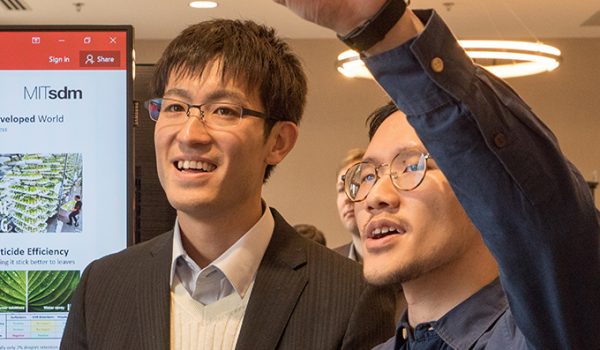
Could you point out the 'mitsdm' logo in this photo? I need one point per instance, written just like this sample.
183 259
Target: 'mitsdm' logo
45 92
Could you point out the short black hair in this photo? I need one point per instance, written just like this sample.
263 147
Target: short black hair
249 53
377 117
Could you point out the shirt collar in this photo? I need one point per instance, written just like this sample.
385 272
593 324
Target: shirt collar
462 326
353 254
240 262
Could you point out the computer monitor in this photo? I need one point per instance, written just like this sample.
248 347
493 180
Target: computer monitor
65 168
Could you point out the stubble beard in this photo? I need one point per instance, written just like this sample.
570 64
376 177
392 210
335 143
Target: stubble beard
395 276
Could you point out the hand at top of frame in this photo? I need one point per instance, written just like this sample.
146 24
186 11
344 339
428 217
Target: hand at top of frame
343 16
339 15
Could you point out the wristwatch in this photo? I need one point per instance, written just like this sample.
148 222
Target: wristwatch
375 28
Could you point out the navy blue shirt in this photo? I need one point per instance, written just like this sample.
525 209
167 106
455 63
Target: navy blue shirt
483 321
532 207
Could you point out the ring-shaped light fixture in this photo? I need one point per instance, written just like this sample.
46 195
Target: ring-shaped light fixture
505 59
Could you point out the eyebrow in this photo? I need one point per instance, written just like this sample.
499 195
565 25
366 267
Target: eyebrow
178 92
227 94
415 149
213 96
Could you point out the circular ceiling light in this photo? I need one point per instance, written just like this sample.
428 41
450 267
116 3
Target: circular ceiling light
351 66
508 59
503 58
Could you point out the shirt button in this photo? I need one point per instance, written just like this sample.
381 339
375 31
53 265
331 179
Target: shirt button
500 140
437 64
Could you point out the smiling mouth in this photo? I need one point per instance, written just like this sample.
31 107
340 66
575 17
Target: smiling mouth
187 165
384 231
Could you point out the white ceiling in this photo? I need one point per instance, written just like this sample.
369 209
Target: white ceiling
164 19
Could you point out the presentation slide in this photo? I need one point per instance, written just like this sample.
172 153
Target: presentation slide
64 136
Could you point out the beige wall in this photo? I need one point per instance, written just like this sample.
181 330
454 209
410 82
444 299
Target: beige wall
303 186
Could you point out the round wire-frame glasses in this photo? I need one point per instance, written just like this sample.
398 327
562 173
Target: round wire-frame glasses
406 171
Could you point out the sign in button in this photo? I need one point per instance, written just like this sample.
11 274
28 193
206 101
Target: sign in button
96 59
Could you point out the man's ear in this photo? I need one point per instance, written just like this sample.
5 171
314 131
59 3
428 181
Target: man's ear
281 140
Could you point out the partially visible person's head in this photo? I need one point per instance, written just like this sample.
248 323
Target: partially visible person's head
246 54
344 205
77 197
311 232
408 234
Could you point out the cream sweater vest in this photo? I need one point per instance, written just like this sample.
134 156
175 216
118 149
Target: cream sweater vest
208 327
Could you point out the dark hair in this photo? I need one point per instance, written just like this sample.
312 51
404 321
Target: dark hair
77 196
249 53
311 232
377 117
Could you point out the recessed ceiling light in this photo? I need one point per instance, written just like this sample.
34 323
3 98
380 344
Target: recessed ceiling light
203 4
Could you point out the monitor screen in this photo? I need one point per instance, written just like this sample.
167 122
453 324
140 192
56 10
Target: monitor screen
65 169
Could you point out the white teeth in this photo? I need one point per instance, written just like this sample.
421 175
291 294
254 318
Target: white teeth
205 166
382 231
195 165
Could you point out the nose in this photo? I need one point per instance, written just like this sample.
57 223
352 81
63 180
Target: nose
191 113
383 195
194 130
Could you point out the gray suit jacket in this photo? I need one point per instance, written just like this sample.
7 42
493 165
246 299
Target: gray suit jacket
304 297
344 250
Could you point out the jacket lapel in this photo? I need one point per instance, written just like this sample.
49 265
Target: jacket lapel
280 280
154 298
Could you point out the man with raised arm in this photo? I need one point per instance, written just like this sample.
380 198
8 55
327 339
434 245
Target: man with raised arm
463 195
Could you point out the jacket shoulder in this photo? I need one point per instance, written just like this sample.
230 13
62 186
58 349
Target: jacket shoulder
135 254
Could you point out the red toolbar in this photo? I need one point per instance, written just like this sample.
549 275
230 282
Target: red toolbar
63 50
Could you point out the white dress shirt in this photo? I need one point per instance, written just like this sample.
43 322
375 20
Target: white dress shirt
233 271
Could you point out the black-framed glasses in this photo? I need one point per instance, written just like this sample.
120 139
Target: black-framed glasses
213 114
407 171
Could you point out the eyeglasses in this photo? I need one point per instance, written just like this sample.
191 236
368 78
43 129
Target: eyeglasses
407 171
214 114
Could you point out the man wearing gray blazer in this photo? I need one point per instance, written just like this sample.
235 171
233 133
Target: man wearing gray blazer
232 274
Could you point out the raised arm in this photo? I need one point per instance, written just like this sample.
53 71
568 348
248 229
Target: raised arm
531 205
